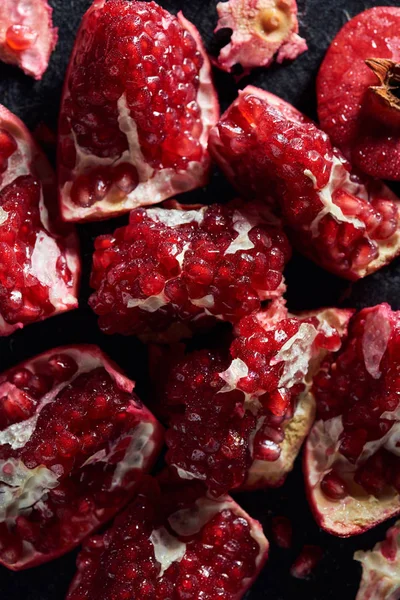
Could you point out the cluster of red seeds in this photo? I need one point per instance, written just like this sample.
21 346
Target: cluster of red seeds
156 65
183 263
345 387
215 563
83 419
289 150
211 429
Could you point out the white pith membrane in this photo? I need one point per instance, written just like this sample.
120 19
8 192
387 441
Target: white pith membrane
255 41
381 575
25 161
341 178
188 522
359 510
155 185
22 488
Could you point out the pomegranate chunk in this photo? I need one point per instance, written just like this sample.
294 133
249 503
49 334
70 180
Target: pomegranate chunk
173 542
27 35
74 443
349 225
238 415
137 108
39 259
358 91
352 463
261 29
381 568
171 271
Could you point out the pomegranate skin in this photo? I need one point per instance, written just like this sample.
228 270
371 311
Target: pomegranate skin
173 542
262 30
27 35
75 442
137 107
178 269
39 255
351 466
347 224
366 130
381 568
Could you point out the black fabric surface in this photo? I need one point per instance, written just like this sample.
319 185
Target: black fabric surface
338 575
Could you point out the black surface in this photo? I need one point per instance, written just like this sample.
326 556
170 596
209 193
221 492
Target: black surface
338 575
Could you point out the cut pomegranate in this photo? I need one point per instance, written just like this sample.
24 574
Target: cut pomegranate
27 35
238 417
261 30
39 259
172 271
352 458
381 568
137 108
349 225
282 532
74 442
358 85
306 562
173 543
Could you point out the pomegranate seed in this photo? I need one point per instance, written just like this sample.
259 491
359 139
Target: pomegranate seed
20 37
333 486
306 562
282 532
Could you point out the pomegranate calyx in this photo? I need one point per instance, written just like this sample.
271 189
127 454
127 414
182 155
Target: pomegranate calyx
388 73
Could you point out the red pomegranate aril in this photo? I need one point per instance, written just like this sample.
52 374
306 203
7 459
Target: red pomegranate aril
282 532
172 271
82 460
20 37
211 538
134 109
306 562
333 486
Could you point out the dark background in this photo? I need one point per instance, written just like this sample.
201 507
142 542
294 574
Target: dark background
338 575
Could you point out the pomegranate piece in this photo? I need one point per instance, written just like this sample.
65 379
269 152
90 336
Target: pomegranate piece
357 86
171 270
173 543
261 30
27 35
238 415
348 224
306 562
282 532
74 443
137 108
39 258
381 568
351 462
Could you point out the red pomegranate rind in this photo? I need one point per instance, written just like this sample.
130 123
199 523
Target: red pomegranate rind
137 108
74 443
173 543
39 256
351 462
349 225
261 31
381 568
238 417
172 271
27 35
347 108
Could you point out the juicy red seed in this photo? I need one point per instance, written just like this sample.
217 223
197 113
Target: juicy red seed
125 177
333 486
8 145
61 366
282 532
20 37
306 562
